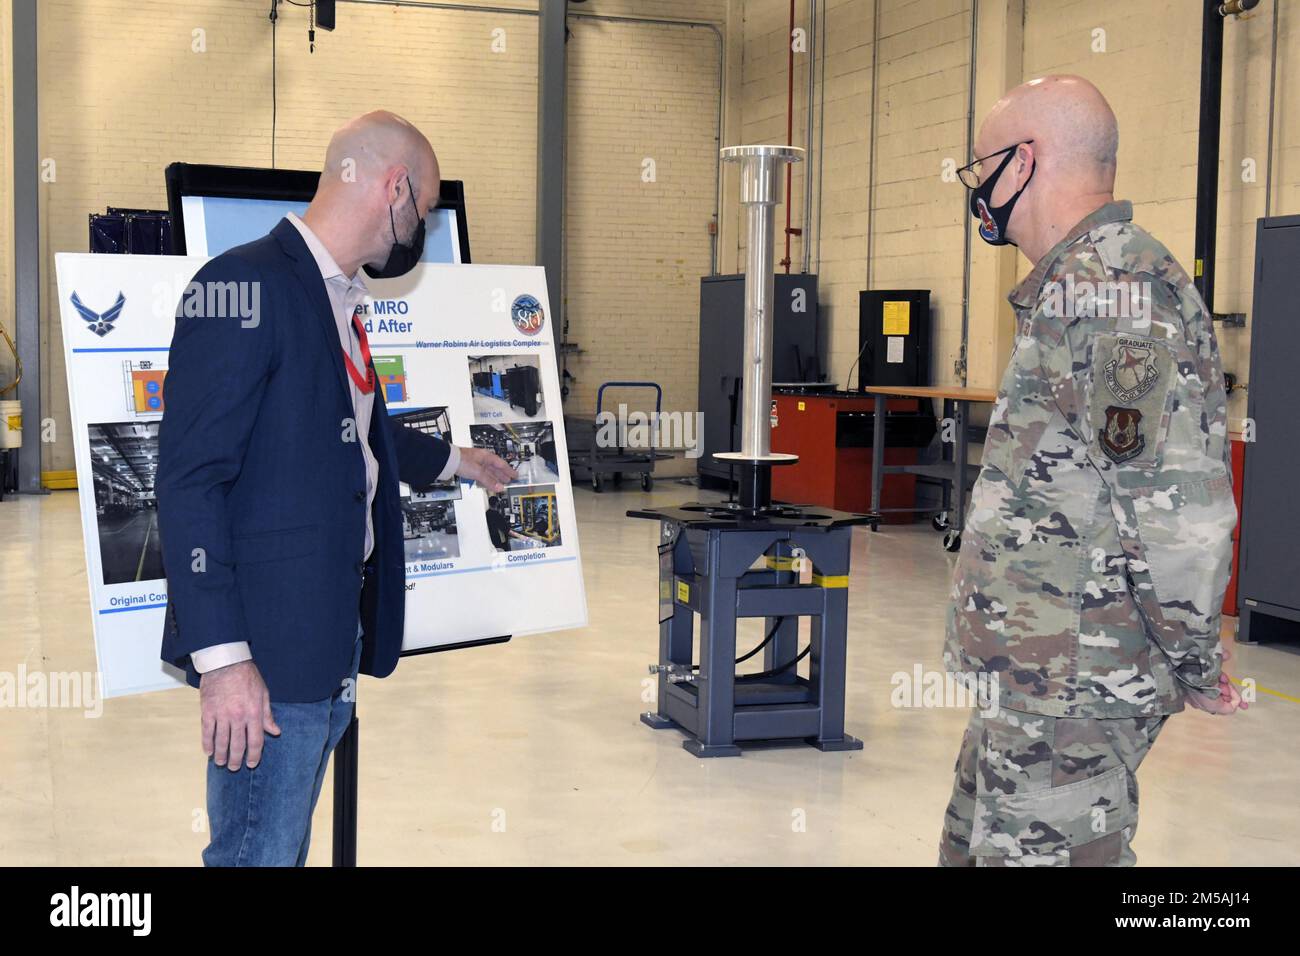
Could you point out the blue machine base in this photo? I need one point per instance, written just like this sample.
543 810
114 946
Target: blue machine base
695 746
718 565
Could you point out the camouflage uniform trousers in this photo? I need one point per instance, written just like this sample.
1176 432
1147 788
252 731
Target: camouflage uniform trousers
1033 790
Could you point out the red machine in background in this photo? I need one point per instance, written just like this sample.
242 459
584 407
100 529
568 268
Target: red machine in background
831 434
1238 480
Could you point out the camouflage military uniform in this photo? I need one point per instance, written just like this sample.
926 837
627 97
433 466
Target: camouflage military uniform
1096 548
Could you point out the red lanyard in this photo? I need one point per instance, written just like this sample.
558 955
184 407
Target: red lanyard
367 384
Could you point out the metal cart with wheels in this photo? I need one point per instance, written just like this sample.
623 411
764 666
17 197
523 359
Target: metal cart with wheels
954 471
589 461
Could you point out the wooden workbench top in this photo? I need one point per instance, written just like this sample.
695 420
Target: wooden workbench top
955 392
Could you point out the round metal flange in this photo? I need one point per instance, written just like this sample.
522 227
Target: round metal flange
760 173
789 154
773 458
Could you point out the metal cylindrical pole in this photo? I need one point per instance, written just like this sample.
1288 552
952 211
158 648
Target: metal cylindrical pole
760 190
755 432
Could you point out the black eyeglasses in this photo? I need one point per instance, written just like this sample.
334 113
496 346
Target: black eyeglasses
971 175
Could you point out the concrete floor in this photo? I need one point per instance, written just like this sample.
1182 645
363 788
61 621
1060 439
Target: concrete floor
531 753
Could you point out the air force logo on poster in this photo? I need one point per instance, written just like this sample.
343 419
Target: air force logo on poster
101 323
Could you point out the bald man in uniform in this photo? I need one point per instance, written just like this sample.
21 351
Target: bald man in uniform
1096 549
277 487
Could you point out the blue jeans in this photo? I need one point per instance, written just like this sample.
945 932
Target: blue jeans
262 817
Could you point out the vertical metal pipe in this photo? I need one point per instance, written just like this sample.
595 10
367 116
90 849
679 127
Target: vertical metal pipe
963 355
755 433
821 139
760 191
789 133
871 136
1207 151
808 136
1272 112
551 28
27 240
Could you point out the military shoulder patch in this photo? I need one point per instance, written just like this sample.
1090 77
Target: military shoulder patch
1132 377
1130 370
1121 436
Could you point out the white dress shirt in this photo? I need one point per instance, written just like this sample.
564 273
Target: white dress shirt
345 295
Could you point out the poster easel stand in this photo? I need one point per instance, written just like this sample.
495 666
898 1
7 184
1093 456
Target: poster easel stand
347 762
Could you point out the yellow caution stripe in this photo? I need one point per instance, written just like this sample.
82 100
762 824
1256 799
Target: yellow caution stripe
59 480
1265 690
830 580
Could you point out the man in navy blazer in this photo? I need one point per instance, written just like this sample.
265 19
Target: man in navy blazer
277 487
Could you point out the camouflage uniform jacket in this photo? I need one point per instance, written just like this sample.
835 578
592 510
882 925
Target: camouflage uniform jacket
1097 545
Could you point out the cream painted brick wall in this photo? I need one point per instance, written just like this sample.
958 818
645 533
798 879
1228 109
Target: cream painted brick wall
123 95
923 68
1150 72
636 247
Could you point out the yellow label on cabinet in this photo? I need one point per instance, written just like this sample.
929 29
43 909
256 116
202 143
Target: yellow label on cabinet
683 592
898 318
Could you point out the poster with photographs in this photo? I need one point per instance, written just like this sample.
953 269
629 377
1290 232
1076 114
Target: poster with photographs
117 317
123 461
507 388
529 447
463 352
524 517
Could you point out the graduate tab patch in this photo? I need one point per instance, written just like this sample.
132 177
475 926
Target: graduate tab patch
1121 437
1131 370
1128 393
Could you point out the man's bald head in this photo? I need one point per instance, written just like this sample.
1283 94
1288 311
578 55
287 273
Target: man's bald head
1064 136
376 142
1072 127
380 179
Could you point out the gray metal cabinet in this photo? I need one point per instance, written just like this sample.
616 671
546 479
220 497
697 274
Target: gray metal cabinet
795 353
1269 559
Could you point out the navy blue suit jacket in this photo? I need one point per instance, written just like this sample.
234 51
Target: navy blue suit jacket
261 494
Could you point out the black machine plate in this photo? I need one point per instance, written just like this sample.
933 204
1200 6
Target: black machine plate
730 517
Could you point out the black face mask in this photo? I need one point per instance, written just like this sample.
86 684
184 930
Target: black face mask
402 257
994 220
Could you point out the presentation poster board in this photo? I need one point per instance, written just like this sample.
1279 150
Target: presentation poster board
479 566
